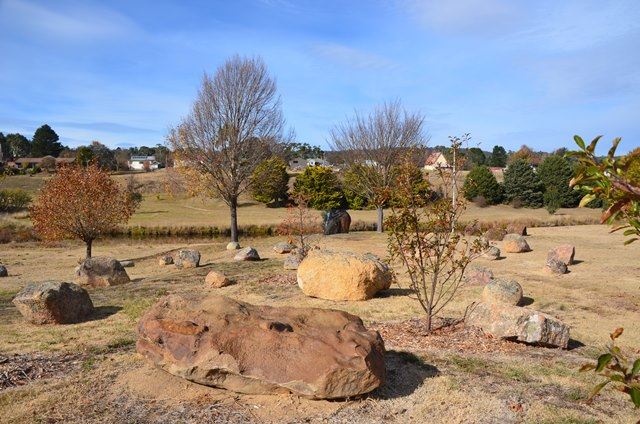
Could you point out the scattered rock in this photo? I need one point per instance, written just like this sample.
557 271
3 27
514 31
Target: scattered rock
217 279
337 221
127 264
293 259
515 243
556 266
247 254
187 258
492 253
519 324
221 342
495 234
233 245
3 271
563 253
519 229
283 247
101 271
342 276
478 275
53 303
502 291
165 260
472 229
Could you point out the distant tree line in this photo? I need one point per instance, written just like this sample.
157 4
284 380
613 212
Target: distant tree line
45 142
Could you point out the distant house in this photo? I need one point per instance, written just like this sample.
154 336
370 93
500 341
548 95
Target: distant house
300 163
27 163
435 161
143 163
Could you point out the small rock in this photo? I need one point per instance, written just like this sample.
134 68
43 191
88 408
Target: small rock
521 324
492 253
3 271
127 264
247 254
515 243
563 253
502 291
293 259
478 275
165 260
495 234
556 266
53 303
337 221
233 245
101 271
519 229
283 247
187 258
217 279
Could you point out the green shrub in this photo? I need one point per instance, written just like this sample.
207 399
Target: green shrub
12 200
270 182
555 172
320 186
354 197
552 200
481 182
522 186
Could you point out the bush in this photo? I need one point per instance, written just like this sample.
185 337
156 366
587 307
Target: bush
552 200
14 200
351 181
481 182
270 182
321 187
522 185
555 172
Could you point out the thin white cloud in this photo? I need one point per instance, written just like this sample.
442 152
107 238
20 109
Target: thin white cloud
72 21
353 57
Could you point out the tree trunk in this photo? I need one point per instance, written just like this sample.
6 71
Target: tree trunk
379 226
89 243
233 207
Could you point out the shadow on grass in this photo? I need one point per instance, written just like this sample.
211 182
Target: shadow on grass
405 373
525 301
395 291
575 344
102 312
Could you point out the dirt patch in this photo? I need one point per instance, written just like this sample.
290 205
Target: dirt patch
278 280
19 370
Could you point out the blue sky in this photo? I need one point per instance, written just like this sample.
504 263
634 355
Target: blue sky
509 72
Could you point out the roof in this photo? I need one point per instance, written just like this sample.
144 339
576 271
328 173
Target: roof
142 158
433 158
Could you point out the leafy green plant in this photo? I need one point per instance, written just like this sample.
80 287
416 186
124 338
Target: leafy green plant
481 182
320 186
12 200
552 200
270 182
618 370
522 185
614 180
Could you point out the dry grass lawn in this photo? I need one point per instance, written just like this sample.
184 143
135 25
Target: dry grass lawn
456 377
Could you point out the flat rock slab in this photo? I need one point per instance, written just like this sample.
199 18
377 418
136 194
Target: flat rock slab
519 324
53 303
101 271
342 275
221 342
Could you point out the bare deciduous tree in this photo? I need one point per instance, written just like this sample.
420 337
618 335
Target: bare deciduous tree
376 143
236 116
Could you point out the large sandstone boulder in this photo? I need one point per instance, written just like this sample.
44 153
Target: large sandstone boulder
478 275
337 221
342 276
216 279
101 271
221 342
247 254
283 247
563 253
519 324
515 243
53 303
187 258
502 291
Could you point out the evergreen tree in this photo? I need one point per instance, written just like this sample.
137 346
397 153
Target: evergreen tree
45 142
498 157
4 148
522 185
556 172
84 156
19 145
481 182
476 156
270 182
320 187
